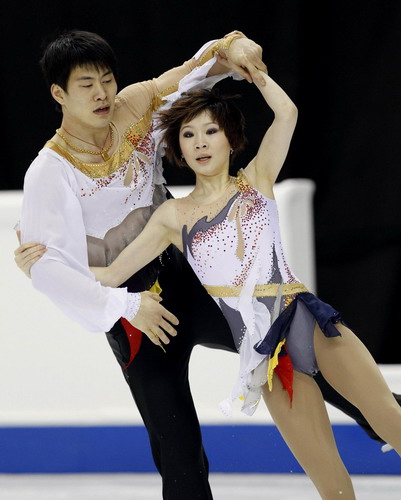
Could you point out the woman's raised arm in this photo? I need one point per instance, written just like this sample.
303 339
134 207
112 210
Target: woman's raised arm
263 170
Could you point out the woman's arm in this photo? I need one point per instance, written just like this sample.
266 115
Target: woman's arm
160 231
263 170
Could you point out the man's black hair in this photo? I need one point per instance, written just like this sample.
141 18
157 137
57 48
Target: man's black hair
74 48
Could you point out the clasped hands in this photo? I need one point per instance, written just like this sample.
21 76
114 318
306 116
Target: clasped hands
244 56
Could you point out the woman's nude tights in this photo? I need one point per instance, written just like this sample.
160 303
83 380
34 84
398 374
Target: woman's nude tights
349 368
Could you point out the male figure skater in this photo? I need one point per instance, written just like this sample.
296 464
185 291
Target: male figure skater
90 192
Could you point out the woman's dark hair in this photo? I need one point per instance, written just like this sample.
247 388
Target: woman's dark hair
75 48
222 109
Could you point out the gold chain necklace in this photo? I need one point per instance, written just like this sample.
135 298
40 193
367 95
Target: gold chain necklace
103 151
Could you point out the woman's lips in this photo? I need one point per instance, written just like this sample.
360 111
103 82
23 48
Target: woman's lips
203 158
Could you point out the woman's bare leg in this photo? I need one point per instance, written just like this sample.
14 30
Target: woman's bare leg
306 429
348 366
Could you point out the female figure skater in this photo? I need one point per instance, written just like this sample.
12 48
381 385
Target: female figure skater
228 229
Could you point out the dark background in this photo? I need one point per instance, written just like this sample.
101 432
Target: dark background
340 63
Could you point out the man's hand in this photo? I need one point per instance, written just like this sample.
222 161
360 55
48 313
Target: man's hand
154 320
27 254
244 56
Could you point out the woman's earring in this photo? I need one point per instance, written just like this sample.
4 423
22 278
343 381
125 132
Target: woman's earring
231 151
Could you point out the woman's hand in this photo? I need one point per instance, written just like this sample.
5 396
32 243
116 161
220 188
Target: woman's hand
27 254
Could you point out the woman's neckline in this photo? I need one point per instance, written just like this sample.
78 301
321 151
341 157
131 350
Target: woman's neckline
230 184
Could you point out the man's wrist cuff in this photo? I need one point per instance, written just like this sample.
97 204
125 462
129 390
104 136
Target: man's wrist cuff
133 305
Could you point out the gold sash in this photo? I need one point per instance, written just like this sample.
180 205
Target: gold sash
270 290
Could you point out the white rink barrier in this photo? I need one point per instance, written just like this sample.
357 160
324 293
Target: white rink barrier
47 376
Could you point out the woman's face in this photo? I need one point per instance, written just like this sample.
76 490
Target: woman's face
204 145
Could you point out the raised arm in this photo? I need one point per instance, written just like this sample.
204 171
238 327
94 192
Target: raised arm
234 55
160 231
263 170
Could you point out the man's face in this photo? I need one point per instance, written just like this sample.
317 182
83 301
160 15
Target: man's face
89 98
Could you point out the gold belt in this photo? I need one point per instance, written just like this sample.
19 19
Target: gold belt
270 290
